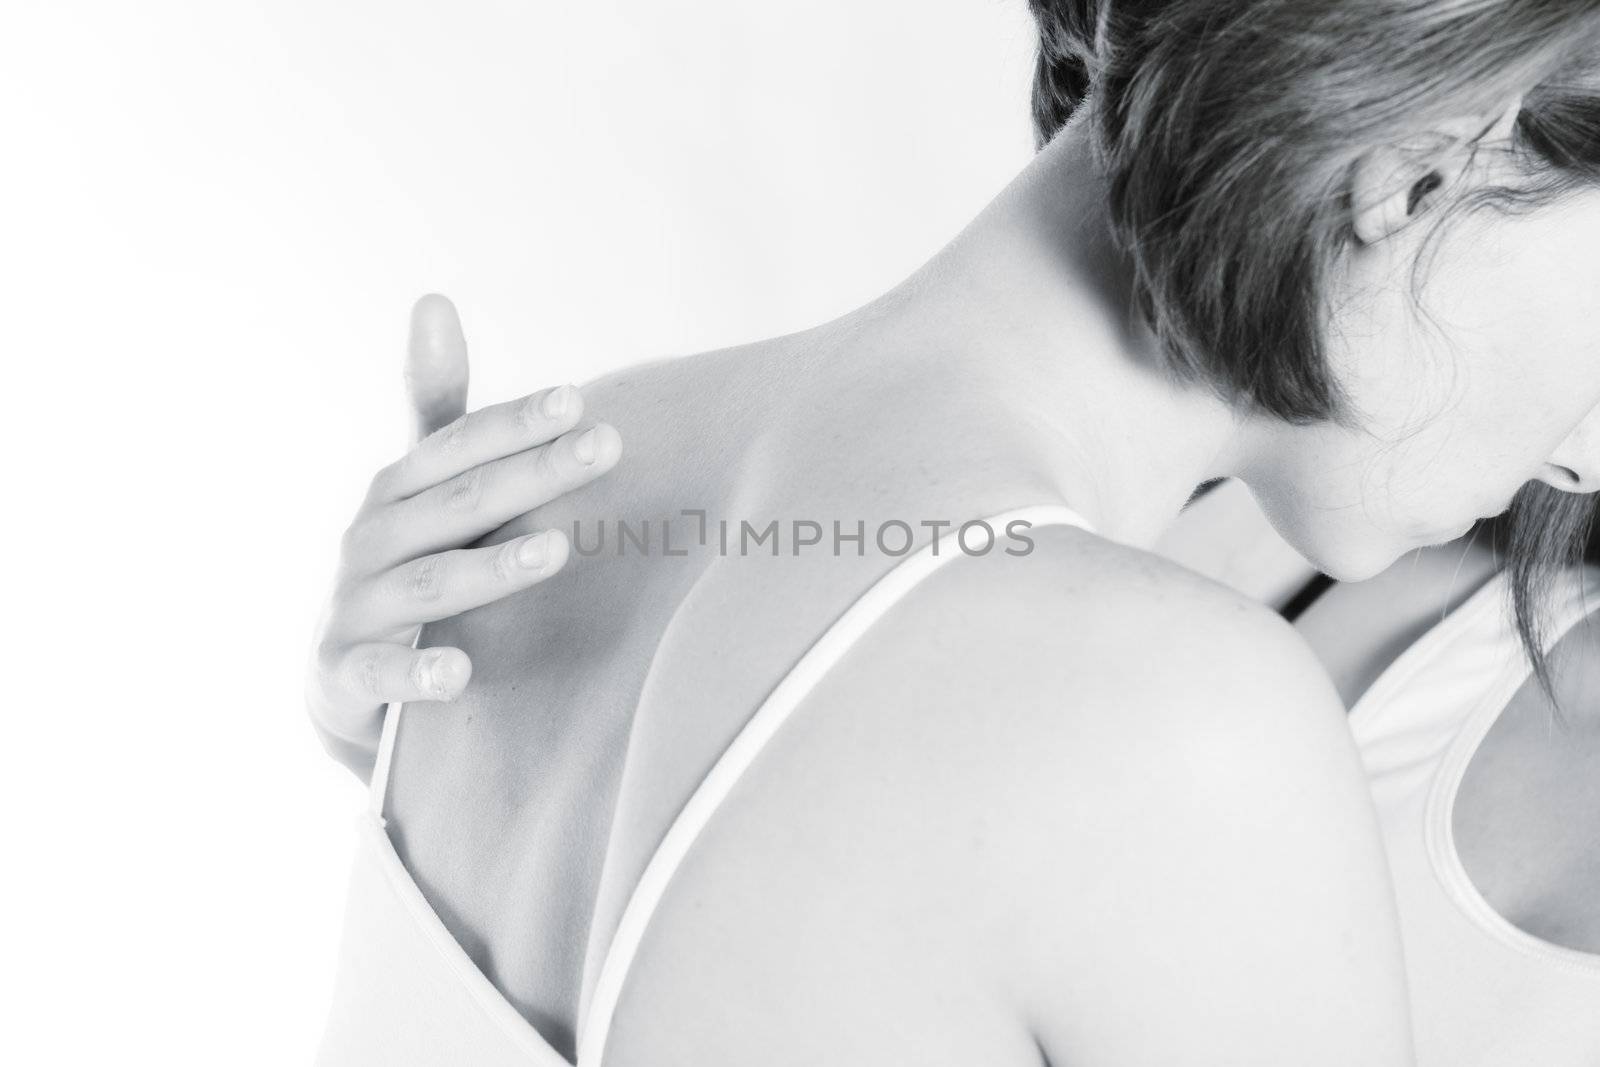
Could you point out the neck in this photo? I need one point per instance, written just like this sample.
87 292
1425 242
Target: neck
1030 309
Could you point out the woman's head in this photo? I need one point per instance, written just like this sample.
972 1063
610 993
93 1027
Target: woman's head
1463 348
1374 225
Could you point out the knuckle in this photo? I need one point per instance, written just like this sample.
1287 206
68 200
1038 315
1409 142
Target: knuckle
463 492
503 566
383 482
353 540
366 673
424 580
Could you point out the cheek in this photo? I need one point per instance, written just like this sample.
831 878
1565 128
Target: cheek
1329 494
1352 501
1466 384
1516 298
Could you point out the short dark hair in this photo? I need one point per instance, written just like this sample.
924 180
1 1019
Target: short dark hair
1227 131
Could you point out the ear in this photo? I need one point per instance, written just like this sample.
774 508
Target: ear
1391 185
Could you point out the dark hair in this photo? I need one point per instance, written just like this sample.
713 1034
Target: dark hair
1545 532
1203 109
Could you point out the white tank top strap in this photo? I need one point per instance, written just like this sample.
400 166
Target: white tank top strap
737 758
378 787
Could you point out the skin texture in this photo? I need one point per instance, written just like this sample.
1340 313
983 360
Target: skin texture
1189 837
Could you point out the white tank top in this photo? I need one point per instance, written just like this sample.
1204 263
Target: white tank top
1483 992
408 995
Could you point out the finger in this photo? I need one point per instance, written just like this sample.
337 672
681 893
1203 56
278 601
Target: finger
436 365
369 676
449 583
459 511
479 437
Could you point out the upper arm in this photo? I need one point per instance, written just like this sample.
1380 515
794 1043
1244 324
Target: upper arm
1200 871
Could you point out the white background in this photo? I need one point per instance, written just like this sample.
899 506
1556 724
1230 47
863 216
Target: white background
213 217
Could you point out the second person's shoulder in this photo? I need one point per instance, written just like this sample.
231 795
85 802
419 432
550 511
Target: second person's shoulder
1082 611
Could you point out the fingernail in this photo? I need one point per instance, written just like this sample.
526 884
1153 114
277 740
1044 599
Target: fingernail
586 447
557 402
436 674
534 552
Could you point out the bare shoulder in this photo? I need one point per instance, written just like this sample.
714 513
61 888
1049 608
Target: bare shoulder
1102 621
1108 665
1077 801
1162 779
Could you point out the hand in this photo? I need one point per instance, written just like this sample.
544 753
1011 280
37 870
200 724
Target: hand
404 560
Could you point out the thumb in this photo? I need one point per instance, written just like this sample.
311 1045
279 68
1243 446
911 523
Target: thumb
436 365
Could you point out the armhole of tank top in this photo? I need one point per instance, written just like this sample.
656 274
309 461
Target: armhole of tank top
1439 808
594 1028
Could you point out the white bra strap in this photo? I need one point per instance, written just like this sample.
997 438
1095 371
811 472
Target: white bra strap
378 788
737 757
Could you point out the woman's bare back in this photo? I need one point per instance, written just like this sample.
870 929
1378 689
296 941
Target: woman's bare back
527 809
906 861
